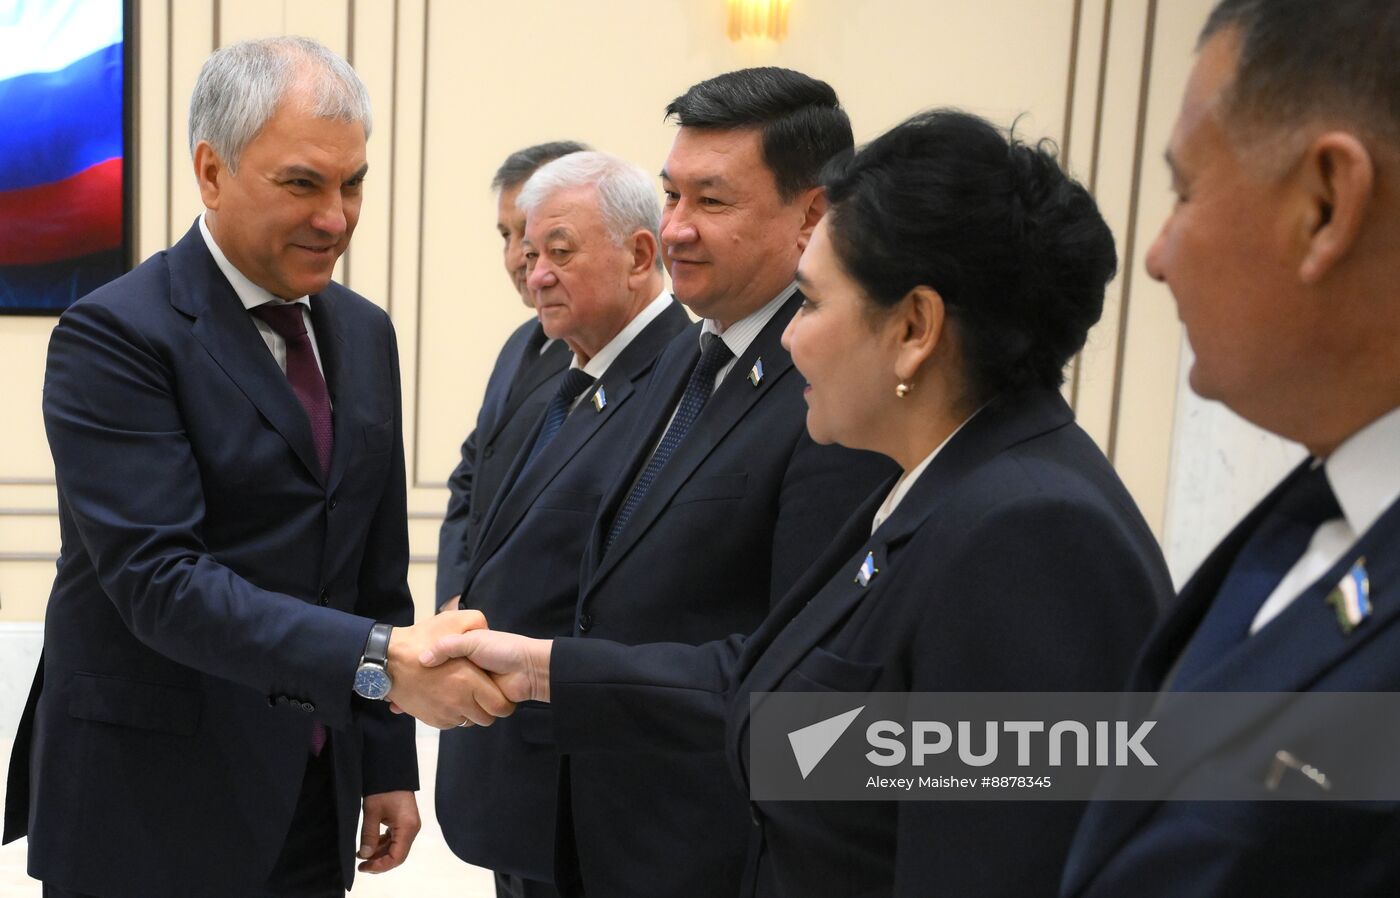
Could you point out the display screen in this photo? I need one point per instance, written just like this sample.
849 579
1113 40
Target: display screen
64 139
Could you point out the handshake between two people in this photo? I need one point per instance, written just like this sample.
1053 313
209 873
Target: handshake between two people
452 670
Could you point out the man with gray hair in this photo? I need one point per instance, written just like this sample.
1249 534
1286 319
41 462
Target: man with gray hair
225 429
1282 252
521 382
591 247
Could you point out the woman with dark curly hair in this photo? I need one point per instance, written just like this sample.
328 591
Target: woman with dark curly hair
955 275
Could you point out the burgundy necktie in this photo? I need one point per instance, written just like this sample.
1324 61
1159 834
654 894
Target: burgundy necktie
310 389
304 374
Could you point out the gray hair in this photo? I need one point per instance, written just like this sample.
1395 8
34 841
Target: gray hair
241 86
626 198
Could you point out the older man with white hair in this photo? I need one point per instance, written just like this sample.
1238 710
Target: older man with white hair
591 239
225 429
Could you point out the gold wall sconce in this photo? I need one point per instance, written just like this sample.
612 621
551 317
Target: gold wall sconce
758 18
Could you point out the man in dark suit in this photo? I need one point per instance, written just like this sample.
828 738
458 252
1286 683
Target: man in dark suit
596 276
720 498
1282 254
225 427
525 374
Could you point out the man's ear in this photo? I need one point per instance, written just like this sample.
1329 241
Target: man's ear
1338 178
921 330
813 206
642 247
210 173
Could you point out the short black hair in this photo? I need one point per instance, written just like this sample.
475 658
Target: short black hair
1302 60
800 119
521 164
1016 249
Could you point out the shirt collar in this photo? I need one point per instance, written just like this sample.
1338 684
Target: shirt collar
906 482
249 293
741 333
1363 473
598 365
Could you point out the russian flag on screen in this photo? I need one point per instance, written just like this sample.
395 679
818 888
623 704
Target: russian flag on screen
60 148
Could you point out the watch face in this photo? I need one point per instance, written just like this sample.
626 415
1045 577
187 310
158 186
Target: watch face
372 682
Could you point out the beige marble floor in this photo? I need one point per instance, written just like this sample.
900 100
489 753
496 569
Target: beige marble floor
430 871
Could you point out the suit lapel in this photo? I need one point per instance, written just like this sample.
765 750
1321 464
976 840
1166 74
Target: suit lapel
760 669
1166 643
228 334
1299 646
618 384
818 616
530 375
801 625
736 396
661 398
996 428
1288 655
524 486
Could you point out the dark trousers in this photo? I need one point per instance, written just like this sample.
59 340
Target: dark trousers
309 865
508 886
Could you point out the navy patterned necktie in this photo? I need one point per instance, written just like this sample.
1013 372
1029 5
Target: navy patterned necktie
1265 559
697 392
304 374
310 388
571 386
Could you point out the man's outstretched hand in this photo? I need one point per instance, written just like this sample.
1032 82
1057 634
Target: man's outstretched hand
519 664
446 695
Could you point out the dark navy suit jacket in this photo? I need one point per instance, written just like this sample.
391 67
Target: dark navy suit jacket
516 394
1275 848
214 591
497 787
740 511
1017 562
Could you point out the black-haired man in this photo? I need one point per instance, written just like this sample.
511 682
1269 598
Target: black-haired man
1282 255
722 498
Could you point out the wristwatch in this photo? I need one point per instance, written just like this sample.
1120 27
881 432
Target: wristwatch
372 676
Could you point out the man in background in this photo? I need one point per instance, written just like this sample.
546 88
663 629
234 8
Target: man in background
521 382
593 251
1283 254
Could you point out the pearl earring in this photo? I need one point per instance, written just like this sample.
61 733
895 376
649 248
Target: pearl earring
902 390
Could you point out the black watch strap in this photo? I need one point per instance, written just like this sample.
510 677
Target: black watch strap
377 646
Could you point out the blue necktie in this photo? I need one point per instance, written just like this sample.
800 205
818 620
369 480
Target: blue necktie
574 382
1266 557
697 392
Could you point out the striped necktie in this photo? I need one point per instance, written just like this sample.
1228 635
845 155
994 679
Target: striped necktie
697 392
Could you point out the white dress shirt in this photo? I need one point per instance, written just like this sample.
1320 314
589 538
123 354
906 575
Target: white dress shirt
738 337
597 366
252 296
741 334
1366 480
